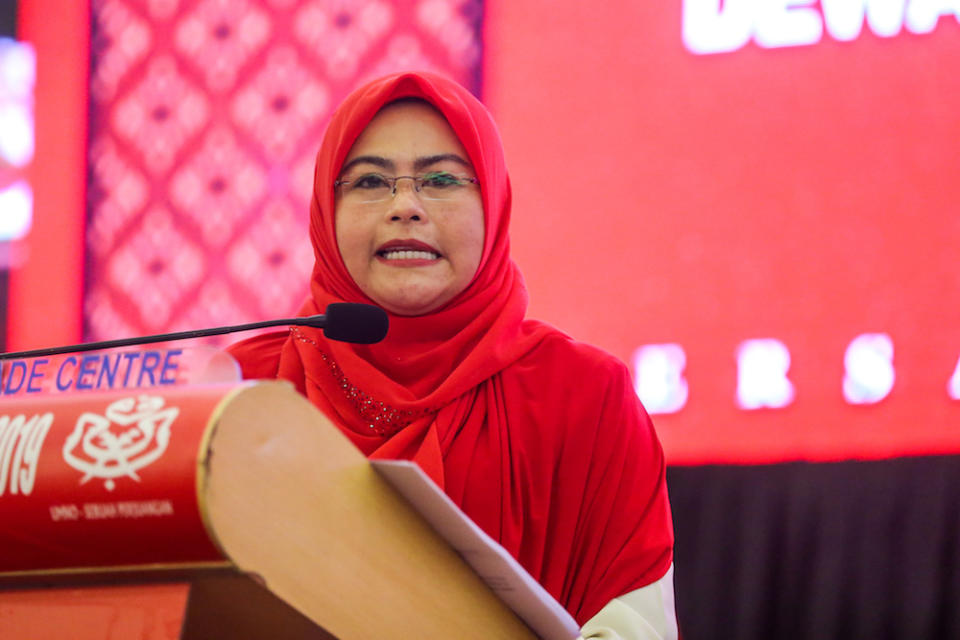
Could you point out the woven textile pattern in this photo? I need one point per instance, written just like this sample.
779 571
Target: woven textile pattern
205 120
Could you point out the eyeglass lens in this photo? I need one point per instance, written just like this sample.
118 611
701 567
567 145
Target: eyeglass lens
375 187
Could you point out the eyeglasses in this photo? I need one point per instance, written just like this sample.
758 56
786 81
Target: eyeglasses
376 187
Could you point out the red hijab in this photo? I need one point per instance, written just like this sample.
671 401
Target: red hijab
426 362
451 389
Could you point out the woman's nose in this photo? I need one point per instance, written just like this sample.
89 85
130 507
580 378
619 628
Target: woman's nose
405 203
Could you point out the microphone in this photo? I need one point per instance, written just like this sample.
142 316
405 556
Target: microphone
343 321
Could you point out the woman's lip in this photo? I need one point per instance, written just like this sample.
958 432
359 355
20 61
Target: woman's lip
407 253
405 245
419 259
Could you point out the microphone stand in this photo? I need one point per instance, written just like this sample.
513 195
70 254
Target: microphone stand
318 321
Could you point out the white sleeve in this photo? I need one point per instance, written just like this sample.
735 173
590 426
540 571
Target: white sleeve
645 614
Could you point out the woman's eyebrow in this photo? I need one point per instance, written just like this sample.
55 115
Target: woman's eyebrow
419 164
426 161
378 161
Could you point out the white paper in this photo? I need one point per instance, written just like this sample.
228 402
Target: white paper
493 564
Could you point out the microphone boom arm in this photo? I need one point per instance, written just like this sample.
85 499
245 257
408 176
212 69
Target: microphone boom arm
309 321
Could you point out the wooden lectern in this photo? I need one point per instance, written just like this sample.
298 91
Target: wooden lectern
221 511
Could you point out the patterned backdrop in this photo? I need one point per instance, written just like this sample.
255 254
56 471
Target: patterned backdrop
205 120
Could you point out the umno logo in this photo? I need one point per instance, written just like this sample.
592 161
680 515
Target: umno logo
132 433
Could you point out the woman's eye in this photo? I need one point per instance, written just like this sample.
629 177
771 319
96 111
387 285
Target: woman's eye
440 179
371 181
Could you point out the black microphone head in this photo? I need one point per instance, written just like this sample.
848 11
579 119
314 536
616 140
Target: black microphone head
355 322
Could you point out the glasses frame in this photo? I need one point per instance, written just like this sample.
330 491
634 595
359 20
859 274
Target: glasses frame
417 183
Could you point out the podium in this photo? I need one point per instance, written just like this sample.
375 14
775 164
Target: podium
216 511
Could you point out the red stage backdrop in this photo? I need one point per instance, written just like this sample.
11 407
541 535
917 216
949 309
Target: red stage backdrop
206 117
764 195
753 204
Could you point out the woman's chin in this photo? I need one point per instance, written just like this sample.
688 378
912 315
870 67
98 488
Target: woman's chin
410 305
412 297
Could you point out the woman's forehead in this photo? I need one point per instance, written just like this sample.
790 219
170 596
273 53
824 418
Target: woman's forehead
408 131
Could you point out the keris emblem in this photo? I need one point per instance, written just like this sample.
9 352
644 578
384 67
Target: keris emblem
132 433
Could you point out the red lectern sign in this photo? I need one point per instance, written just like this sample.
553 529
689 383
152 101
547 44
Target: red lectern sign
100 481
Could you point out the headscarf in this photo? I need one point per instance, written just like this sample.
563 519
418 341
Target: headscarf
539 439
426 362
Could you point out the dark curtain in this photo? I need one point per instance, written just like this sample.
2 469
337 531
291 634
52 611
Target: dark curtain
8 18
828 550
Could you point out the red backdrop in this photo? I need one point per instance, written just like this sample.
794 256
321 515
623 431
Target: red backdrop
205 121
804 194
807 194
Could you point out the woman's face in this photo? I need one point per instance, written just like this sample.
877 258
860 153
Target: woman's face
409 253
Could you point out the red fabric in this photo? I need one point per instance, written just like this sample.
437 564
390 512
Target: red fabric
539 439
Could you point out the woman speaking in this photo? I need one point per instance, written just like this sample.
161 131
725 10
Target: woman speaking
538 438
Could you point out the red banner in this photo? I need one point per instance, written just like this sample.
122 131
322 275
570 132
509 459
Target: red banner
101 481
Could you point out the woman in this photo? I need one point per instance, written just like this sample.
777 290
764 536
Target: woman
539 439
